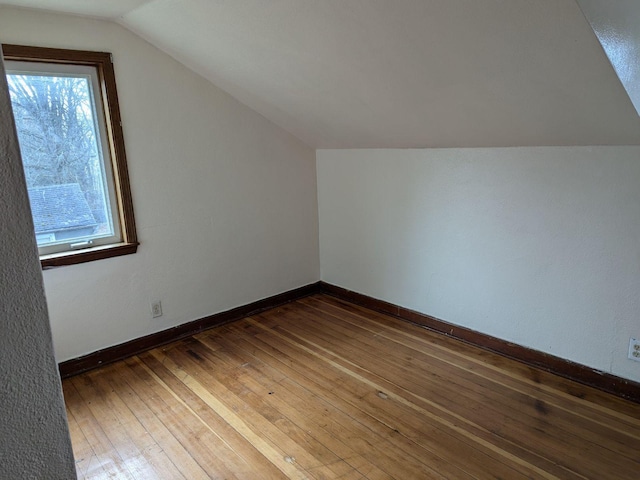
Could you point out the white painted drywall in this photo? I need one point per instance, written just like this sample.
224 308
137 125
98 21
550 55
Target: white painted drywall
34 438
225 202
538 246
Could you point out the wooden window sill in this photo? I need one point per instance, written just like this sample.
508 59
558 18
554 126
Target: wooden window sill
87 255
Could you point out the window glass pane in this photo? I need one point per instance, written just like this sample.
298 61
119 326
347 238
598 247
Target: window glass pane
62 152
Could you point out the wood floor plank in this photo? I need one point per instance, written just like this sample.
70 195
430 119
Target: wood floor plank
141 440
309 452
588 414
352 396
164 422
365 389
481 373
279 449
135 394
262 400
323 389
533 419
90 387
291 402
198 436
573 418
439 448
577 393
230 432
87 464
358 428
294 404
108 459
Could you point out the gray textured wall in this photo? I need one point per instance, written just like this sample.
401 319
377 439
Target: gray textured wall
34 437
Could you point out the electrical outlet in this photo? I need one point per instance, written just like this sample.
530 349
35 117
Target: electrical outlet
634 349
156 309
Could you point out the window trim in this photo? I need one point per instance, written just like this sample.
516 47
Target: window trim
103 63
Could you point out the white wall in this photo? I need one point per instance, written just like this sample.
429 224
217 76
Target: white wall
538 246
225 201
34 438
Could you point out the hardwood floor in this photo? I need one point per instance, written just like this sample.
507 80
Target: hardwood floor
320 388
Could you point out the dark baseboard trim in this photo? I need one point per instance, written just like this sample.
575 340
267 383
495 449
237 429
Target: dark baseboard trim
607 382
142 344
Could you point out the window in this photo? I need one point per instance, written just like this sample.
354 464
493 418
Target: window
68 121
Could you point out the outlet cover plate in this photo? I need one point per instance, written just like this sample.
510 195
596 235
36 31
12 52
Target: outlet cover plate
156 309
634 349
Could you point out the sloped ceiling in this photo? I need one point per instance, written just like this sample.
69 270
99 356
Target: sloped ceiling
395 73
617 25
110 9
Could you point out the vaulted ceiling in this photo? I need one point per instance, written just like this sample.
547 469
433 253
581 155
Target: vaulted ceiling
397 73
